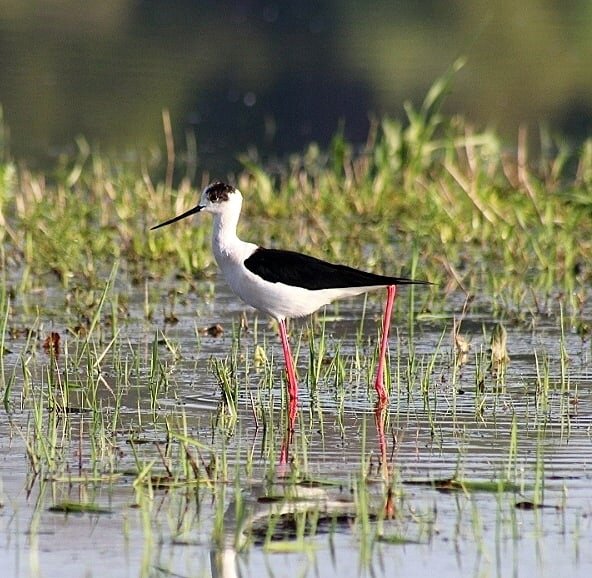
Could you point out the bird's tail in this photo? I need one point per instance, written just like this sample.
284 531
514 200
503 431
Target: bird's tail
407 281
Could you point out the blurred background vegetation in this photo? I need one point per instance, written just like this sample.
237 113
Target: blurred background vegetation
274 76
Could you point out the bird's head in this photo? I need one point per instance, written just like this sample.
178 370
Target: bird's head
216 198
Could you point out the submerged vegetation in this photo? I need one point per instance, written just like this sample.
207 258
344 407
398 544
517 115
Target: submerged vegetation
126 379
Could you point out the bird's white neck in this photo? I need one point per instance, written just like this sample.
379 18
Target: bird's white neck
225 242
224 237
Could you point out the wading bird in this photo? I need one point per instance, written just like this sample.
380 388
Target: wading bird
285 284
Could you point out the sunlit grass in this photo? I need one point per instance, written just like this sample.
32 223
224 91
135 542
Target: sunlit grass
434 188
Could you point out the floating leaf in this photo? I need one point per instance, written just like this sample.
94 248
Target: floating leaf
455 484
396 539
79 508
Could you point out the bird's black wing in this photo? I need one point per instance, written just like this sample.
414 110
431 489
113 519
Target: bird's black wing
298 270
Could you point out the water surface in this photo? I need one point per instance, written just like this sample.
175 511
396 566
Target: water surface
442 423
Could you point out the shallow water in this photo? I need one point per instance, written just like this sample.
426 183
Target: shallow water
441 424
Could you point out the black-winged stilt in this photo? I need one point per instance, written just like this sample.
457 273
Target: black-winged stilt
285 284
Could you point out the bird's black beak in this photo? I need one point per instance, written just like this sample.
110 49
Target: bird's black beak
195 209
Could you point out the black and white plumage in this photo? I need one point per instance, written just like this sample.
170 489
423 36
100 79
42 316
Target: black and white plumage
295 269
280 283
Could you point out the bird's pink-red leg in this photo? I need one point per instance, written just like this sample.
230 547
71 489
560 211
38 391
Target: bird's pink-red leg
381 404
292 383
391 292
292 393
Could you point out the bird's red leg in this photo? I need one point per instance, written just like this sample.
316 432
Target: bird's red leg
292 383
391 292
292 393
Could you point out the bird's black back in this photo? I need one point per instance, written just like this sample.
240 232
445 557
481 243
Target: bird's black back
296 269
